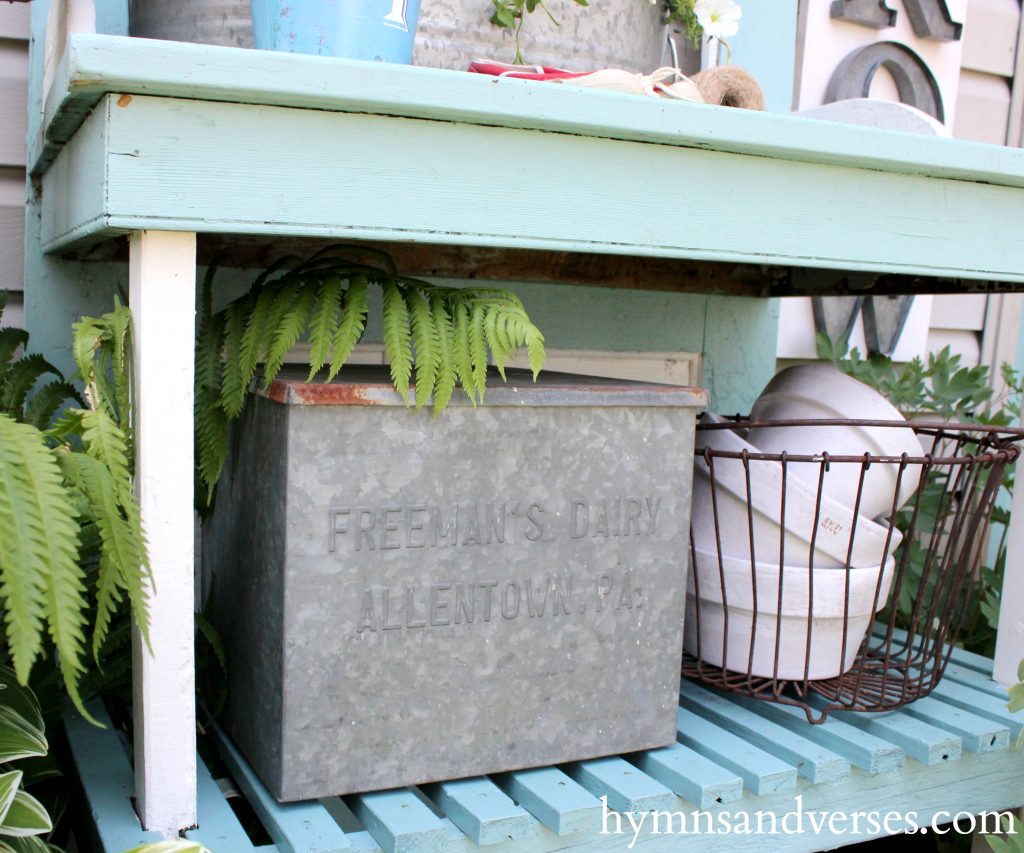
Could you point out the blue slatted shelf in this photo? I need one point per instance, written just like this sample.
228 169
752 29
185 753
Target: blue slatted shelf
949 751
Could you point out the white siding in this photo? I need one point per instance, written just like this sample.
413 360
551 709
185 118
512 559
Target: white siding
14 29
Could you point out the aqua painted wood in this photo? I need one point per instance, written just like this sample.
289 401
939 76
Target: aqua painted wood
218 828
627 788
812 761
400 822
980 703
483 812
692 776
970 677
920 740
106 777
861 749
977 733
97 65
294 827
557 801
160 180
762 772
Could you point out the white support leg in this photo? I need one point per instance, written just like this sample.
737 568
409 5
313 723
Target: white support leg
162 273
1010 639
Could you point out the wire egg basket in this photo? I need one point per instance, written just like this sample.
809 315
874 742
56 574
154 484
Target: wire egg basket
801 597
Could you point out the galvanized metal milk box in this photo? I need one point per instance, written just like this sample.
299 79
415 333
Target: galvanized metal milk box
406 599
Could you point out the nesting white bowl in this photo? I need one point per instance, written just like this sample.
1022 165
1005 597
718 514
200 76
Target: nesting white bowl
726 642
821 391
834 530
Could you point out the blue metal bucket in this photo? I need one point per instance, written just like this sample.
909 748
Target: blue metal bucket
379 30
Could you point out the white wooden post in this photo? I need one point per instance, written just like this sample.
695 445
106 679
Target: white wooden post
162 272
1010 639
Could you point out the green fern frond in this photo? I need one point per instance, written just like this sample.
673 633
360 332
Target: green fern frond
209 354
211 424
87 334
256 338
10 340
444 334
47 400
396 338
478 350
462 355
353 321
425 344
117 347
20 379
233 384
496 339
323 322
289 329
38 550
123 551
104 440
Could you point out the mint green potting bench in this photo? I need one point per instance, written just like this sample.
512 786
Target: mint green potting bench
675 215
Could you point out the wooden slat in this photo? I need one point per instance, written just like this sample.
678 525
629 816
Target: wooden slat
161 293
862 749
627 788
813 761
920 740
977 733
762 773
219 828
972 678
981 704
295 827
557 801
106 777
481 810
400 822
692 776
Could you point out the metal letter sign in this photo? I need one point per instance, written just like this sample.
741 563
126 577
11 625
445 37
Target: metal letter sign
397 16
868 13
929 18
914 82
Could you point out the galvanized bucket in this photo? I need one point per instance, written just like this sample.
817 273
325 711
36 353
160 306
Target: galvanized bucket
377 30
451 33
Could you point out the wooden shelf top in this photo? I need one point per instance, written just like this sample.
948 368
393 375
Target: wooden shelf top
502 174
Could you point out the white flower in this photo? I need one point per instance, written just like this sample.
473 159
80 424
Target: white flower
719 18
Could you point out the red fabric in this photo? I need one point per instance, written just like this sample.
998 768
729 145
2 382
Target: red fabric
523 72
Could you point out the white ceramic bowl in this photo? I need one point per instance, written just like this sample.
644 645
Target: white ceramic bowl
831 530
868 591
822 391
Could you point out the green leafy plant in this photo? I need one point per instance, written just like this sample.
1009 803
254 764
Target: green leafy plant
23 819
941 388
1016 702
510 14
66 492
1013 839
178 845
444 334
